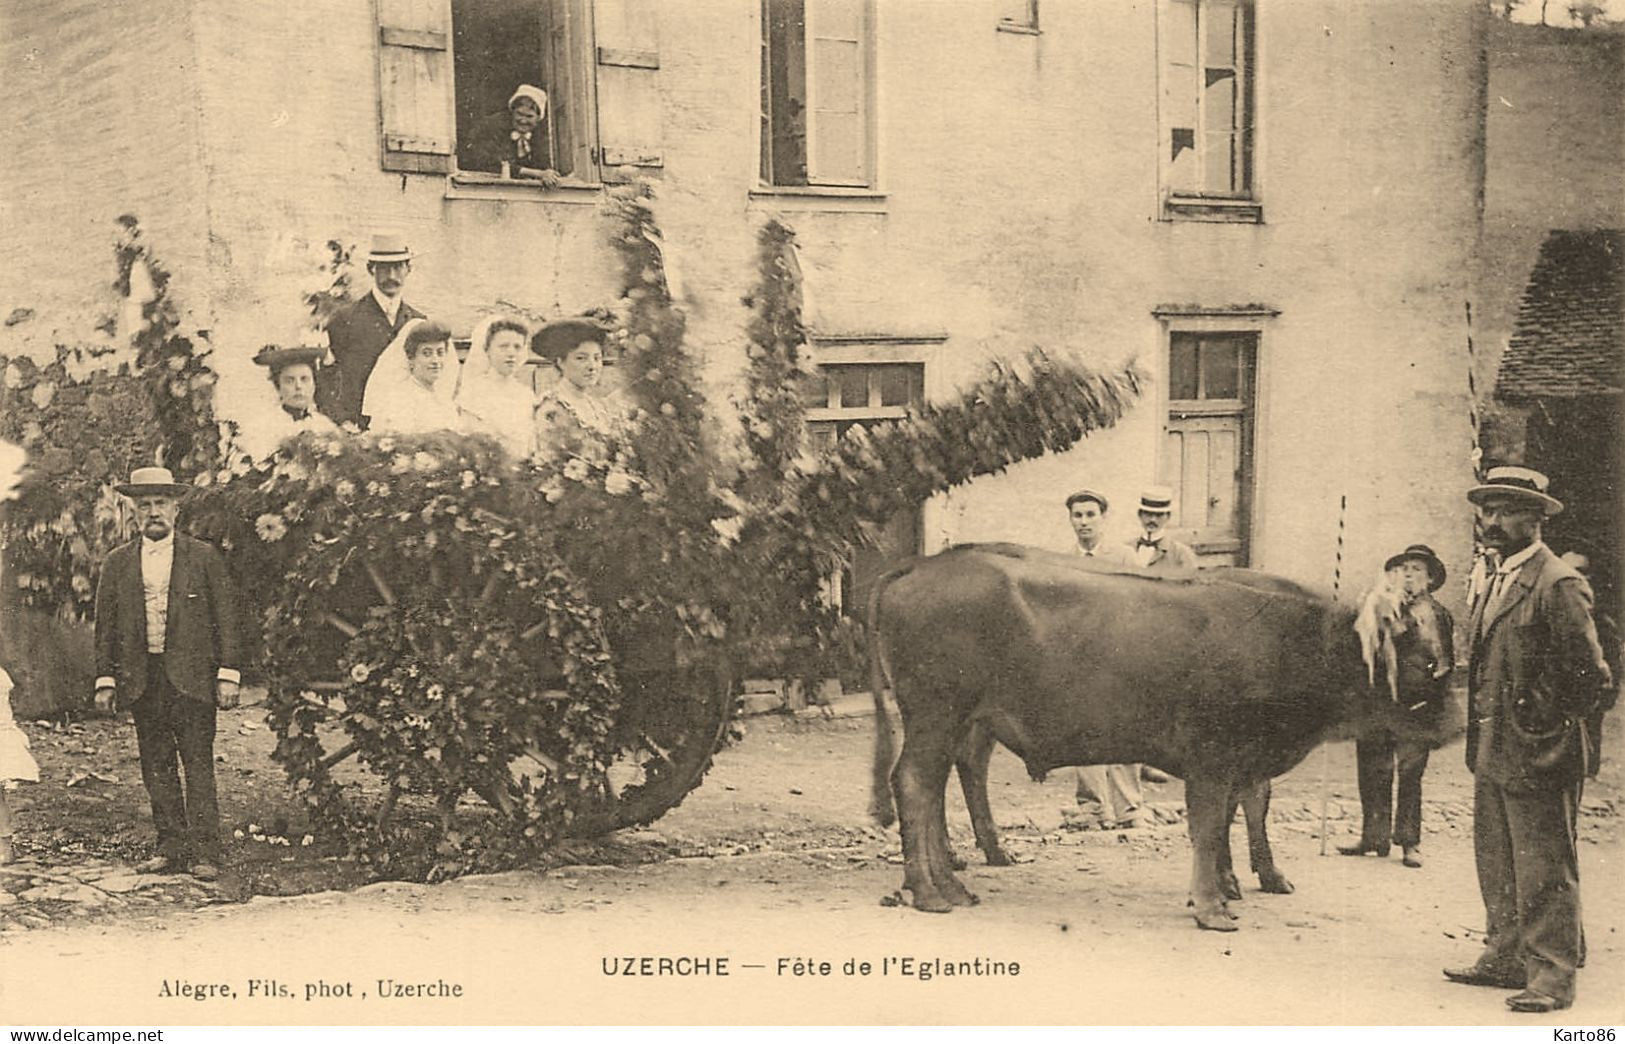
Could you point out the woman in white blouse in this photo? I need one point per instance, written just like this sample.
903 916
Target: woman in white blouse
575 415
410 391
495 394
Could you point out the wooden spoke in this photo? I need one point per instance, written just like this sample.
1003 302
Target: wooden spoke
489 592
379 583
654 748
533 631
339 755
340 624
553 765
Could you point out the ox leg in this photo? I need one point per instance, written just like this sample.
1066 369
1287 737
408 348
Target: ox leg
919 782
1229 884
1208 804
1255 805
971 764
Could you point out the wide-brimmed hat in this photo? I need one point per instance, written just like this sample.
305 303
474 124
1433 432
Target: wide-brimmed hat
1088 494
560 337
1524 483
1157 499
389 247
275 358
1424 554
152 482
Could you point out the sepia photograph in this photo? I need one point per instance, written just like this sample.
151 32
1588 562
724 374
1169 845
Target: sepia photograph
788 513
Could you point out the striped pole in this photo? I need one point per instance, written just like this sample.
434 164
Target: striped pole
1337 590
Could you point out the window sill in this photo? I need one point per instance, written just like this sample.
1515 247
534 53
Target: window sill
821 197
475 185
1019 29
1198 208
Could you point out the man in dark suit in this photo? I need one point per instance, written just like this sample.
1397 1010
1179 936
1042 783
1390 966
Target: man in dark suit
168 648
1425 648
1535 674
358 334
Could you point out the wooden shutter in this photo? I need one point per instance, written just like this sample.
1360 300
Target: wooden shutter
567 36
837 92
415 85
628 59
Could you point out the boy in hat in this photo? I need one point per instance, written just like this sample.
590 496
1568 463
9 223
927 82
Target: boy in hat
1425 648
293 375
1534 674
167 648
1155 551
358 334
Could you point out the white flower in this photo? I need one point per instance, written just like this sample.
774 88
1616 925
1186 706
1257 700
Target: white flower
344 489
468 479
576 470
270 527
617 482
553 492
425 461
400 464
386 445
435 692
360 673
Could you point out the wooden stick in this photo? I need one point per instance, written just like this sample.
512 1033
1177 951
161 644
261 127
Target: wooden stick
1325 748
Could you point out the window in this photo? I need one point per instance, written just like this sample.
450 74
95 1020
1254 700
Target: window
448 67
1207 108
1024 19
1208 452
866 394
816 111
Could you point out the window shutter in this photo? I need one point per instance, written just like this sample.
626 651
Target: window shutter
567 30
415 85
629 106
837 93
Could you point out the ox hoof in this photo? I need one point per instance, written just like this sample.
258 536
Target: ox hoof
1229 886
1216 920
997 857
955 861
1275 883
932 904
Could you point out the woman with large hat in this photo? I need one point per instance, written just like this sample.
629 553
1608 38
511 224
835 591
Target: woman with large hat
293 375
575 415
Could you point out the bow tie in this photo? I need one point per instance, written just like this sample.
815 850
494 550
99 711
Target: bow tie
1148 542
523 140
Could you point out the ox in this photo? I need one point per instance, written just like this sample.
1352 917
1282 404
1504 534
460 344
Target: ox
1070 666
971 762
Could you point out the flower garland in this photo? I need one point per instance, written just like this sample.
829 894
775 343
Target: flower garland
778 371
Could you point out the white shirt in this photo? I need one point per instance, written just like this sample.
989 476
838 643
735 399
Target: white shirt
157 560
408 408
390 305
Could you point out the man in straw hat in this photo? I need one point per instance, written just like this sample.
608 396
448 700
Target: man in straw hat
1156 551
167 648
1535 672
1425 649
358 334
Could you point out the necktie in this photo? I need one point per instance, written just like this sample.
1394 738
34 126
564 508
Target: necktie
1146 542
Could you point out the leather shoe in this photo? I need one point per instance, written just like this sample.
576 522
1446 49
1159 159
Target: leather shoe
1413 857
1478 975
157 865
205 871
1535 1001
1363 848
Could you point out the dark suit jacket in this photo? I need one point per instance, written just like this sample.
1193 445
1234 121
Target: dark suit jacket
1535 672
358 335
201 634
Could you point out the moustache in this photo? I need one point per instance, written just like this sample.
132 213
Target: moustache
1495 534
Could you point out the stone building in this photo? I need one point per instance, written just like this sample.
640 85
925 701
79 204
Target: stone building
1272 205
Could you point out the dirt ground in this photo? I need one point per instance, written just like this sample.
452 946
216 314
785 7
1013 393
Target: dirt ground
773 858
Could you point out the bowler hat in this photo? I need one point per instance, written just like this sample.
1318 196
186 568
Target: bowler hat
1424 554
1088 494
389 247
1157 499
152 482
560 337
1523 483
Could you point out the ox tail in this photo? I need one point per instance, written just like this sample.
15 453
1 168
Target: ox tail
881 807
